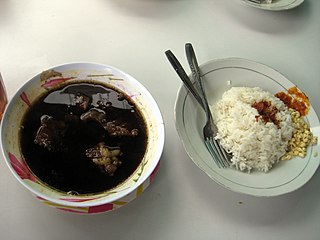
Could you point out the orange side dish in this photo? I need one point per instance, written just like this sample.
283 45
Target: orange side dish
296 100
300 95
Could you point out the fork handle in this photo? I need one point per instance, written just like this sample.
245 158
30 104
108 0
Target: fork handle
183 76
193 63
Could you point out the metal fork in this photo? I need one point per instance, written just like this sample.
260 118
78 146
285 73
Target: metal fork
210 129
191 88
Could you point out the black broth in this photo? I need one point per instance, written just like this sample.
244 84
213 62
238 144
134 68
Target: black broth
71 170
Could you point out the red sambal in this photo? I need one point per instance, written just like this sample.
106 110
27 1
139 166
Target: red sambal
297 101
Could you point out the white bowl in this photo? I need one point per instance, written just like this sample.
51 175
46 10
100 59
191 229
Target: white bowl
218 77
74 72
276 5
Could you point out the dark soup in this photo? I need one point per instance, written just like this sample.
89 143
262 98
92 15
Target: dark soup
83 138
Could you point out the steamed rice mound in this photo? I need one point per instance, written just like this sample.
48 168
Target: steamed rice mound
254 143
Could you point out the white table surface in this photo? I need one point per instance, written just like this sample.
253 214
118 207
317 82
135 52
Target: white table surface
182 202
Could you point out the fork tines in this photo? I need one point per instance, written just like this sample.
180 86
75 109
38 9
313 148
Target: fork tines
217 152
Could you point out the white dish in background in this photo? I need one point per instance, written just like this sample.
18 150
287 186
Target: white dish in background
276 5
219 76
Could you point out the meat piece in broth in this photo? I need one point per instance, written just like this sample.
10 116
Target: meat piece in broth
51 133
106 158
114 128
119 130
82 101
93 115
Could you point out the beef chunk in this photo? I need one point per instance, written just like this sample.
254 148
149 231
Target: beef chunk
113 128
93 115
266 111
50 134
116 130
82 101
106 158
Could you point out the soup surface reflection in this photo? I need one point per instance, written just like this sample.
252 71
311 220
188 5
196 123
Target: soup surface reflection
83 138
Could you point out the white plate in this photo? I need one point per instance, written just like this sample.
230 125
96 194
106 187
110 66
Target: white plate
277 5
284 177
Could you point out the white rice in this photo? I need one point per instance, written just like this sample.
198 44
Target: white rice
255 145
